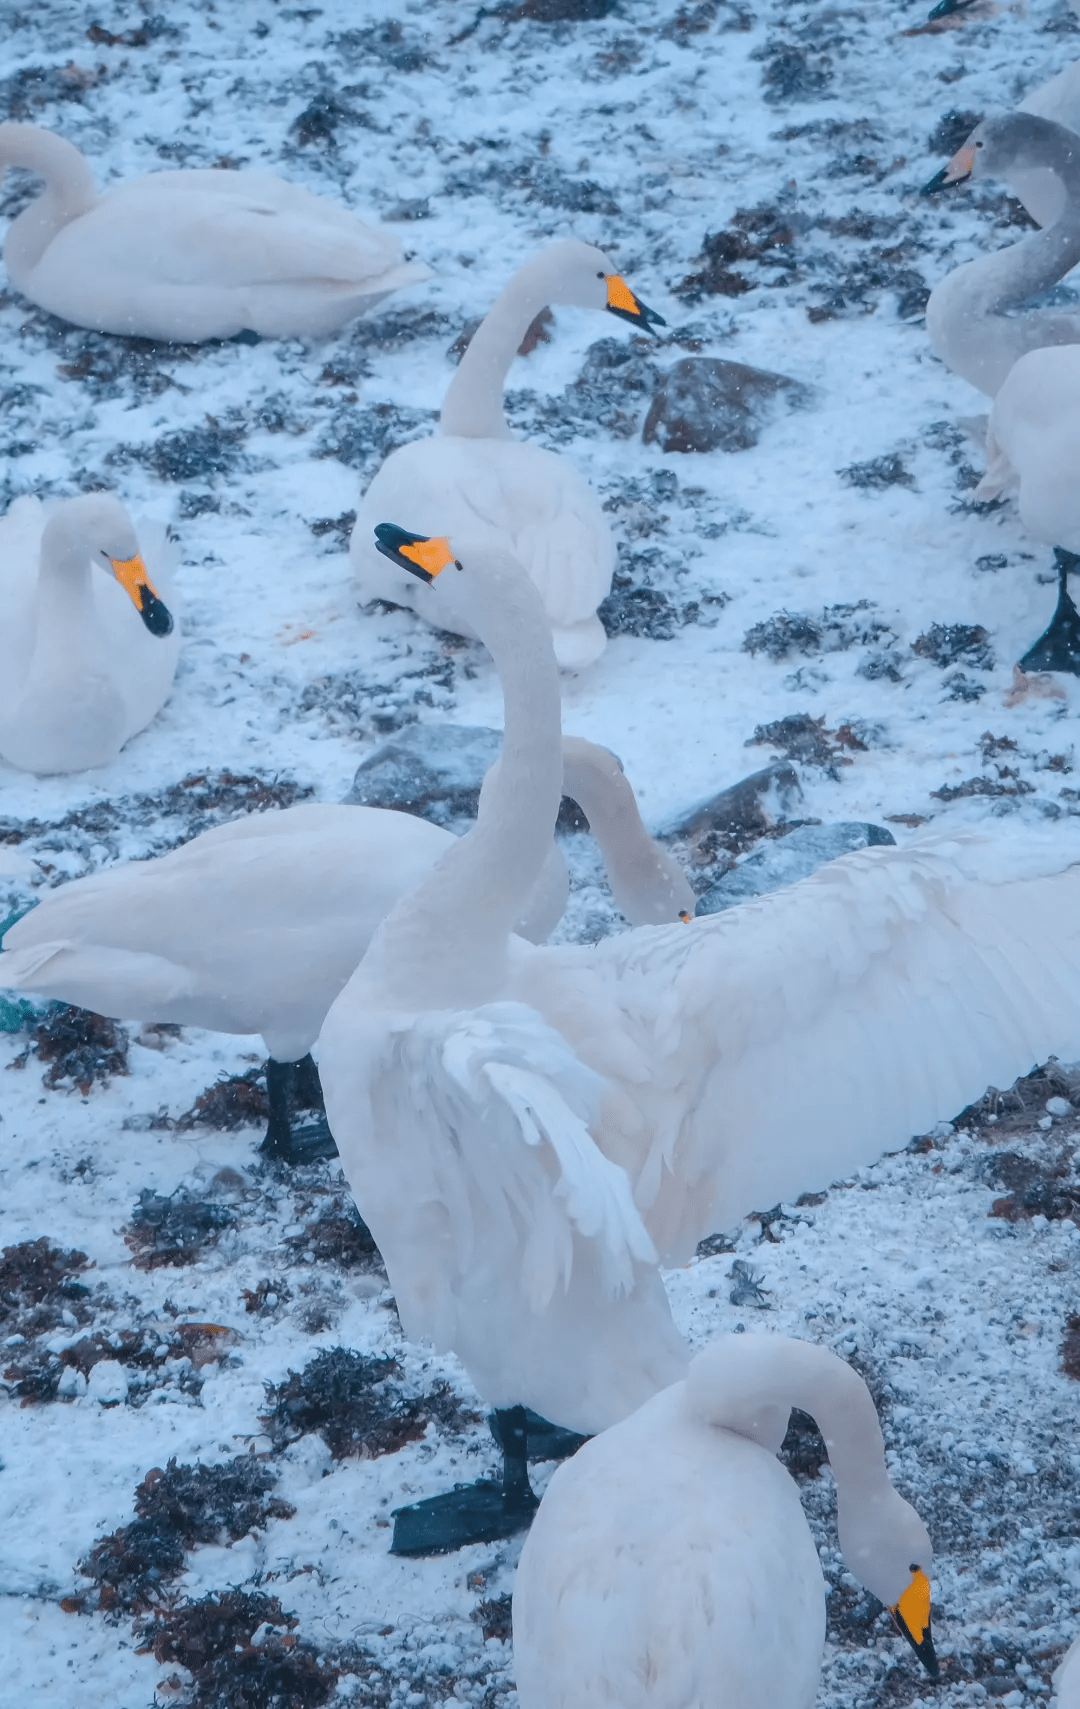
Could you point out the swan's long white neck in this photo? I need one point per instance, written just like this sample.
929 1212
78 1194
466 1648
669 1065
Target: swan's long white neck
967 317
473 406
749 1384
637 870
65 588
69 191
445 945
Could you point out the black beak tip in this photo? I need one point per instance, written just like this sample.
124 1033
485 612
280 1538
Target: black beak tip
936 183
389 539
156 615
945 9
644 319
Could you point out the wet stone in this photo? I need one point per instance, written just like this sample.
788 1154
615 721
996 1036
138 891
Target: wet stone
434 771
785 861
736 817
706 404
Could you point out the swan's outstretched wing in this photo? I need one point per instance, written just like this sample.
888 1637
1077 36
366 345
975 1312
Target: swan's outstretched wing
508 1237
771 1049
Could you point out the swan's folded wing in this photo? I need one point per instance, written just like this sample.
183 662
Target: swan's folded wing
243 240
138 984
771 1049
465 1139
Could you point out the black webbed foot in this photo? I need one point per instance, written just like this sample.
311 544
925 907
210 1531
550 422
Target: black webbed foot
1058 647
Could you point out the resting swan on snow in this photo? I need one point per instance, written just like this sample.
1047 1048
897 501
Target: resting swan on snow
670 1562
474 475
967 317
481 1089
79 673
254 927
206 254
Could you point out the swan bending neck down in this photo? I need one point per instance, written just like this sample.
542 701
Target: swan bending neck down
670 1562
463 1120
968 315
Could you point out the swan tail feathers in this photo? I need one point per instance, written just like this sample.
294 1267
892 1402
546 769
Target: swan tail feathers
19 968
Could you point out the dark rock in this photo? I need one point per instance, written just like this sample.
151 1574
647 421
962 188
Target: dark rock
432 770
706 404
537 332
739 815
787 859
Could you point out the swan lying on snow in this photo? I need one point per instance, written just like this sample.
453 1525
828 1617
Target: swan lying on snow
207 254
967 317
490 1099
79 674
475 476
254 927
670 1562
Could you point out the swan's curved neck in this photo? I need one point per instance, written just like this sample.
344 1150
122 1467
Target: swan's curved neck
473 406
751 1389
69 191
594 779
65 598
967 316
445 945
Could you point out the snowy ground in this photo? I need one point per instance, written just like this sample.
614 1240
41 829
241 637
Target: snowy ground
484 133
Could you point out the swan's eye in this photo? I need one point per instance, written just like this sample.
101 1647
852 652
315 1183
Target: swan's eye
601 274
978 145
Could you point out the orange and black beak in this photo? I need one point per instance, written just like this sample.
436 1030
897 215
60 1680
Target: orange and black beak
418 553
621 301
132 576
911 1616
958 169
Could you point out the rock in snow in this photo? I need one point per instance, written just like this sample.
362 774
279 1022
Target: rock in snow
793 857
705 404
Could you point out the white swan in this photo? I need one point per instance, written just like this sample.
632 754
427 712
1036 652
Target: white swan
475 476
1067 1678
1033 445
255 926
79 673
466 1071
190 255
968 316
670 1563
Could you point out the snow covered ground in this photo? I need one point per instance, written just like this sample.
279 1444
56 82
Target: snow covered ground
803 131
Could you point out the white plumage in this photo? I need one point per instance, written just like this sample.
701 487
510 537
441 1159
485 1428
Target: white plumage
670 1565
80 674
474 478
191 255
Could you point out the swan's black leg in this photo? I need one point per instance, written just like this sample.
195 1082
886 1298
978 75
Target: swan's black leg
482 1512
291 1086
1058 648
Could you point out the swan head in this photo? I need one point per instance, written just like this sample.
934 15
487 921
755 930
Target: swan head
586 278
99 525
887 1548
485 578
998 145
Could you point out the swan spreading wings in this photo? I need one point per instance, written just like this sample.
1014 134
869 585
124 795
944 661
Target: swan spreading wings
737 1059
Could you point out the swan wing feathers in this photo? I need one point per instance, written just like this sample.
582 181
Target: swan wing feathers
771 1049
248 235
466 1140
